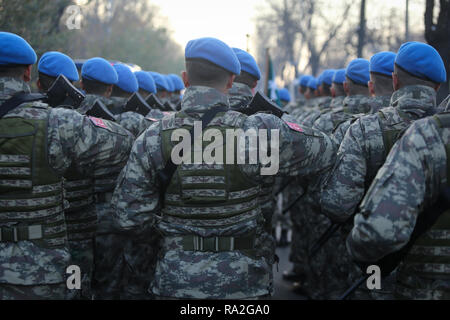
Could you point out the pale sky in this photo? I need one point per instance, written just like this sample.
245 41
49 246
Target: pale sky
227 20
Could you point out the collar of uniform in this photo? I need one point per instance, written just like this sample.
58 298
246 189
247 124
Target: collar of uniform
324 103
240 89
420 100
89 100
337 102
200 99
357 104
10 86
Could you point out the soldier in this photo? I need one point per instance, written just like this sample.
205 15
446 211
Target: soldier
380 88
325 123
178 87
414 177
40 145
417 75
311 95
81 217
300 97
97 80
284 96
51 65
125 87
322 103
241 92
146 83
162 86
195 260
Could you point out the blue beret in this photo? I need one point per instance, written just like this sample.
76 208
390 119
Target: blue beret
327 77
358 71
312 83
127 80
339 76
248 63
284 95
160 81
303 80
383 63
421 60
215 51
99 69
178 83
54 63
145 81
171 85
15 50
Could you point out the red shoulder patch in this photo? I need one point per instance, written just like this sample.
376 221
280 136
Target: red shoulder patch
294 126
98 122
151 119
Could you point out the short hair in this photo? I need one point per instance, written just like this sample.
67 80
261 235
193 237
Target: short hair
46 81
94 86
338 89
382 84
202 72
117 92
356 88
303 89
407 79
13 71
326 89
247 79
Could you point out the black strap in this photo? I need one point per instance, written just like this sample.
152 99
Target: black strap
165 175
17 99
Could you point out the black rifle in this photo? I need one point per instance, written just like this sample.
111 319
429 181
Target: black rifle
424 222
170 106
137 104
260 103
99 110
178 106
155 103
63 93
324 238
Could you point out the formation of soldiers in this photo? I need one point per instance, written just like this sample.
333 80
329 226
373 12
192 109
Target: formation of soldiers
89 180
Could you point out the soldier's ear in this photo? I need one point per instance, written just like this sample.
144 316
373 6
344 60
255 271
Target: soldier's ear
371 88
185 77
437 86
346 88
333 92
108 91
38 83
395 82
230 82
27 73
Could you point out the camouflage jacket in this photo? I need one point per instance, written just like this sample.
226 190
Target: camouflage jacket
92 146
324 122
322 105
299 104
133 122
239 95
362 151
374 104
414 174
229 274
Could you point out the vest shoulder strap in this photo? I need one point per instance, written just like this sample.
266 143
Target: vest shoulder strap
17 99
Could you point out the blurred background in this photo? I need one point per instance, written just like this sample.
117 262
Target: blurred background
297 36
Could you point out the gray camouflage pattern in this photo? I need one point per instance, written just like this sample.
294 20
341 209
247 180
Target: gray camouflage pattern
185 274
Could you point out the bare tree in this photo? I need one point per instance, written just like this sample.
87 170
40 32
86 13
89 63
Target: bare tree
437 34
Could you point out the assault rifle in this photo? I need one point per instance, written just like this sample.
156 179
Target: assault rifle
63 93
155 103
99 110
137 104
424 222
260 103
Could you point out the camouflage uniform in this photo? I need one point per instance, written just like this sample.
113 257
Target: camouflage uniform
414 174
240 95
184 273
296 105
89 100
363 151
324 122
36 269
322 105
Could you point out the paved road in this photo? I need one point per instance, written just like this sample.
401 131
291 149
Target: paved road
282 287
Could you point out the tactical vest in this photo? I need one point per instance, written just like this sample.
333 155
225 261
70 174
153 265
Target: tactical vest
31 194
430 254
81 217
392 130
216 200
